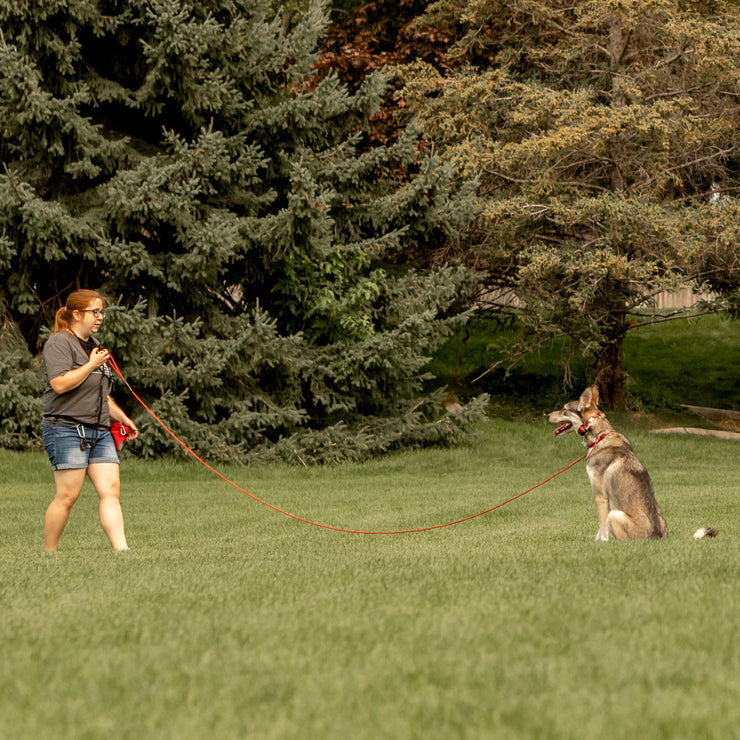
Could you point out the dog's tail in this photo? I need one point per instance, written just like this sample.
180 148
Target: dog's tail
703 532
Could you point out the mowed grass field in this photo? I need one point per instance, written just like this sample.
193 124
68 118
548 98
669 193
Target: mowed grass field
229 620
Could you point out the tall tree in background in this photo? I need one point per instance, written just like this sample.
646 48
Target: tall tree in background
187 159
607 139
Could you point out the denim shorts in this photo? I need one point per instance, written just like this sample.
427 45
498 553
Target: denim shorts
64 446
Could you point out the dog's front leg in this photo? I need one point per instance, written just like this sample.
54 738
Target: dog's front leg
601 499
602 511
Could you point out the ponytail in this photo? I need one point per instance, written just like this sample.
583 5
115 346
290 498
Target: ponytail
77 301
63 320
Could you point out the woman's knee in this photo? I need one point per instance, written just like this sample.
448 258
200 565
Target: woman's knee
64 500
105 478
68 485
111 491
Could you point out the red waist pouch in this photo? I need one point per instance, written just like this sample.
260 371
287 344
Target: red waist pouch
120 433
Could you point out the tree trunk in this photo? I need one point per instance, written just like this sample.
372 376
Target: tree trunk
609 374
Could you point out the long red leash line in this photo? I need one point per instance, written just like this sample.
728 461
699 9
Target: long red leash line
115 367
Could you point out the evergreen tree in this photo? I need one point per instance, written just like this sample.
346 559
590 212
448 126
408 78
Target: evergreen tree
258 244
605 134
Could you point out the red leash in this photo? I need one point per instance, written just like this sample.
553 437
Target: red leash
113 364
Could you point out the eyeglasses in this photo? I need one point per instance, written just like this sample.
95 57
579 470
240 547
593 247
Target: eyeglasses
98 313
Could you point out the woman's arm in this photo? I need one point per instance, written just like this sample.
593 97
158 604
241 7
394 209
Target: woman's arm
73 378
116 413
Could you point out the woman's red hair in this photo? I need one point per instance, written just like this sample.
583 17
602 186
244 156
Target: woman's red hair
77 301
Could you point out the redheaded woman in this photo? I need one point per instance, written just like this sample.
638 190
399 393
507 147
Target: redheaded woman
78 410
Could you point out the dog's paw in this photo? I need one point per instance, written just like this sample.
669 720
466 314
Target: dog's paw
705 532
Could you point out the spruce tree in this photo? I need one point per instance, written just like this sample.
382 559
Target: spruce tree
256 240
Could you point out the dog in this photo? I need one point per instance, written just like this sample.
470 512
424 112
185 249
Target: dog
623 490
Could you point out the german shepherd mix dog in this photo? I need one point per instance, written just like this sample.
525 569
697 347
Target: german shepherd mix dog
625 502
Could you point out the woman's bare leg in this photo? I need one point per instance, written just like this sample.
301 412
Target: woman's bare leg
106 479
68 486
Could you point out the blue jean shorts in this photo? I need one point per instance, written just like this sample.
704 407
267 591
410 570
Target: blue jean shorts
65 448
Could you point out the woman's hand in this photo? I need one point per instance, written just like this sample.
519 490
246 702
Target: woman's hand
133 430
98 357
73 378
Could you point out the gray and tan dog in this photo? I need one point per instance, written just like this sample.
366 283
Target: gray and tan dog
625 502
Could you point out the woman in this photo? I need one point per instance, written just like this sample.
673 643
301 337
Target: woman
77 414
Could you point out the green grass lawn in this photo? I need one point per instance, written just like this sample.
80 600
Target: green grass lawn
229 620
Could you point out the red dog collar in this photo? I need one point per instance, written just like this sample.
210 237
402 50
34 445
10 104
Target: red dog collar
584 427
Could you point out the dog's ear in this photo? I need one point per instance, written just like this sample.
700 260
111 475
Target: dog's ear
594 395
589 399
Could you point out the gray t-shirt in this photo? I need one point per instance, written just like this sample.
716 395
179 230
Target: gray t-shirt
88 403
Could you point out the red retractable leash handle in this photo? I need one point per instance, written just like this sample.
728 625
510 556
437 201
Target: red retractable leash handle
115 367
